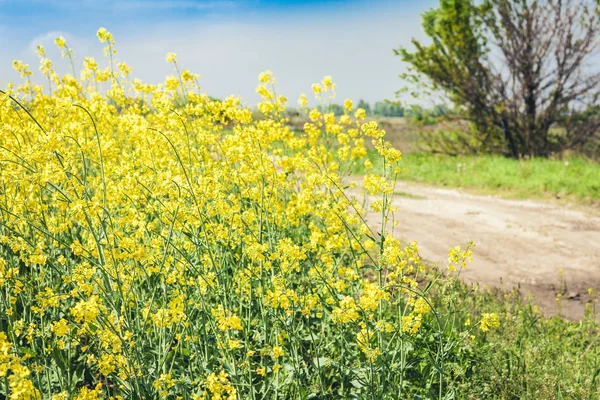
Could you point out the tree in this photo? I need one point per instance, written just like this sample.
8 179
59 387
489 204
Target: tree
515 68
388 108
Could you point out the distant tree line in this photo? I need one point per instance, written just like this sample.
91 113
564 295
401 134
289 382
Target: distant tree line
387 108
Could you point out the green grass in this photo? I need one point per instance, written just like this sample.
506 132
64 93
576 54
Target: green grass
528 356
574 177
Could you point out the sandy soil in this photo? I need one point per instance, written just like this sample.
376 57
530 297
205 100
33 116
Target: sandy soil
519 243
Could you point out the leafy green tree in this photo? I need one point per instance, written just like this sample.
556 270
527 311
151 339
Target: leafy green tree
388 108
514 67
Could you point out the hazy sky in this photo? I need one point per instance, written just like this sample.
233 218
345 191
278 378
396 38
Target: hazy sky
227 42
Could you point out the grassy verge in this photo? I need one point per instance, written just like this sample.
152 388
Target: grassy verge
527 356
575 178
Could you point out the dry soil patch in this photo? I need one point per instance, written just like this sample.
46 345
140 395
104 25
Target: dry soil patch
520 244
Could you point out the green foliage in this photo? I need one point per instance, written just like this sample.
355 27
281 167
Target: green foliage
455 63
528 356
388 108
514 68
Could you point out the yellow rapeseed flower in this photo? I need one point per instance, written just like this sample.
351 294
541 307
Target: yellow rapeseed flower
171 58
489 321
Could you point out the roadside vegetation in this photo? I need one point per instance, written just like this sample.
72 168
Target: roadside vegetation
529 356
572 178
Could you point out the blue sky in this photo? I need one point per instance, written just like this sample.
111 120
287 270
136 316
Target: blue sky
227 42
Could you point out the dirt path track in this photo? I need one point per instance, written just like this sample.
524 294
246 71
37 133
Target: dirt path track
519 243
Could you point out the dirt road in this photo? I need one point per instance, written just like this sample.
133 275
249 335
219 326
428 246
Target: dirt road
519 243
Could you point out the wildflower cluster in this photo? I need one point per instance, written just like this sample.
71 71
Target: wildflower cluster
157 242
